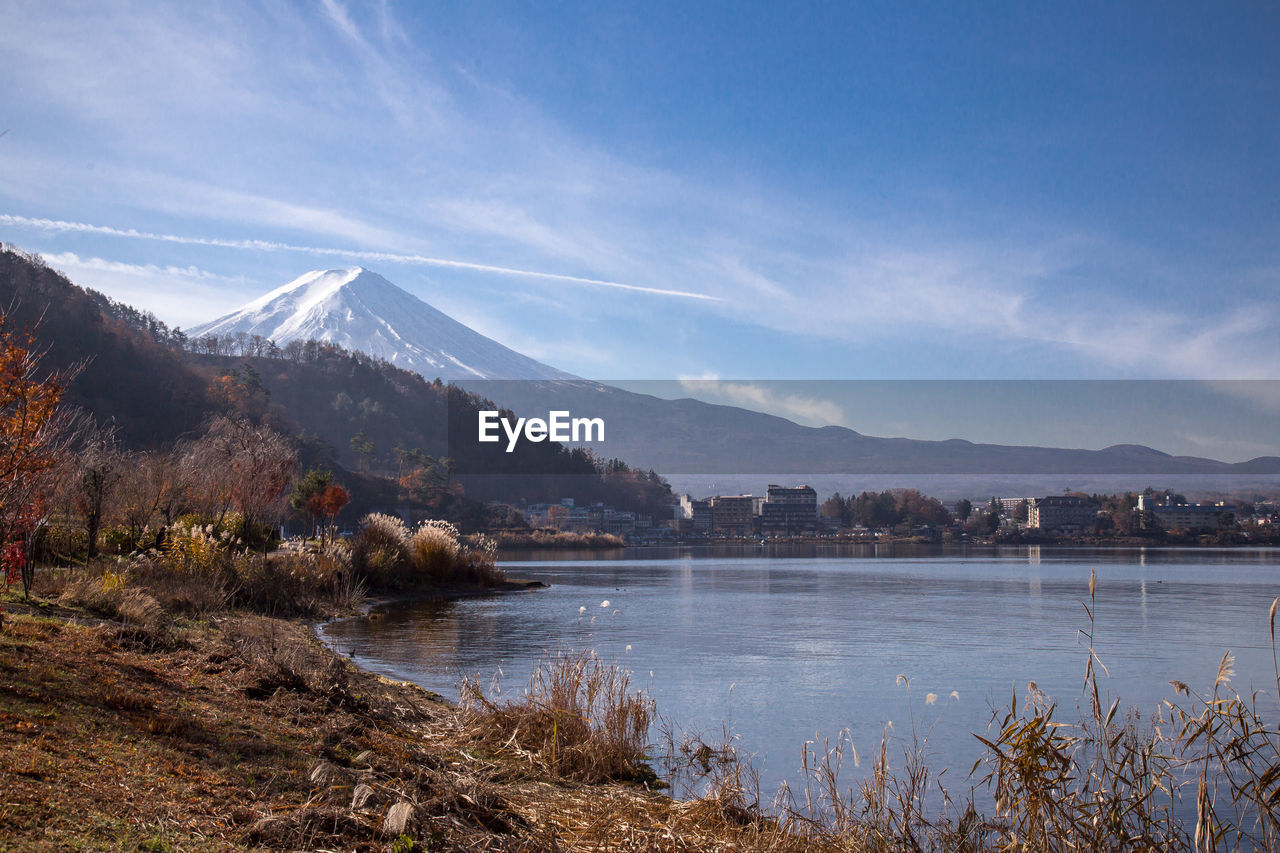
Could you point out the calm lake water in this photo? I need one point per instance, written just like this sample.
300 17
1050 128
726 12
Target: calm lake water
788 646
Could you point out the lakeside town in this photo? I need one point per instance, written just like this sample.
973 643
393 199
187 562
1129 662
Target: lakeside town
786 512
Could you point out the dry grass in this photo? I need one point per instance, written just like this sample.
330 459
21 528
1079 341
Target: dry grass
109 594
179 592
295 584
578 719
387 555
380 552
477 564
144 590
1107 782
434 549
1234 754
255 737
556 539
332 752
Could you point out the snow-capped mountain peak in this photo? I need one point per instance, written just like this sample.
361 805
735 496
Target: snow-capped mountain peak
360 310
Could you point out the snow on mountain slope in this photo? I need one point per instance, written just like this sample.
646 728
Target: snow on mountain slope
360 310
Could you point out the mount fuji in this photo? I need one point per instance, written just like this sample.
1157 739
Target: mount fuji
360 310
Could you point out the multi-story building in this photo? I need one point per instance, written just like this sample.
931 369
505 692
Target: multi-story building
731 514
1183 515
692 515
1061 512
617 522
789 510
1008 506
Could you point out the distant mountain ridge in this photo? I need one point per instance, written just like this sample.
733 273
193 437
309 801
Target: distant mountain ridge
360 310
690 436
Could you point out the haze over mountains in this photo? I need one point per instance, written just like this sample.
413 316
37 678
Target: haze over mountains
363 311
360 310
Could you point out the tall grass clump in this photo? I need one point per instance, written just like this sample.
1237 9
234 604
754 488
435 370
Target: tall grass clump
578 719
894 808
297 584
434 549
388 555
193 548
109 594
478 563
1233 755
380 551
199 571
1109 781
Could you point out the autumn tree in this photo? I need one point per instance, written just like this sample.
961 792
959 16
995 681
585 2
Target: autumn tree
152 490
318 497
243 466
99 472
915 508
35 432
424 478
241 391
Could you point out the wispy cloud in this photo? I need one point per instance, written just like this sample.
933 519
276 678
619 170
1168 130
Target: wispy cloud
208 118
810 411
183 296
268 245
338 15
65 260
982 298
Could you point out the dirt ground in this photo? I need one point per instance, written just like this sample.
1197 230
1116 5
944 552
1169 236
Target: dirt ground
244 733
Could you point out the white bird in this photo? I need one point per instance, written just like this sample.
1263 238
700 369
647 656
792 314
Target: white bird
604 603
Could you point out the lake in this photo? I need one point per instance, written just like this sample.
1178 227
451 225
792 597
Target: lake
786 645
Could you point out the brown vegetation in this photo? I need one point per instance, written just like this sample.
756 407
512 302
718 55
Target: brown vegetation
555 539
386 555
140 729
578 719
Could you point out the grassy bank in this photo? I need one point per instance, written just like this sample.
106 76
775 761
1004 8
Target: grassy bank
241 732
131 721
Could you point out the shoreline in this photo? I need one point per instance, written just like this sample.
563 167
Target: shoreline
444 594
371 606
245 732
237 731
749 547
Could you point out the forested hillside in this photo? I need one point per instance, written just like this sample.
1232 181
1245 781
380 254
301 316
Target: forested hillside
383 430
136 378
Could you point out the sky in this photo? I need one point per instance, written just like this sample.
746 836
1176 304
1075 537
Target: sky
732 191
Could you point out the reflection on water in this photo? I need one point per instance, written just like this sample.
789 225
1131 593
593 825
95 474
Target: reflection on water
789 644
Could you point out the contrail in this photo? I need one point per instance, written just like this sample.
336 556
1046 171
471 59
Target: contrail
392 257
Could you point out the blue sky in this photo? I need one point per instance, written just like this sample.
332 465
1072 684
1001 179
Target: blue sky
811 191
